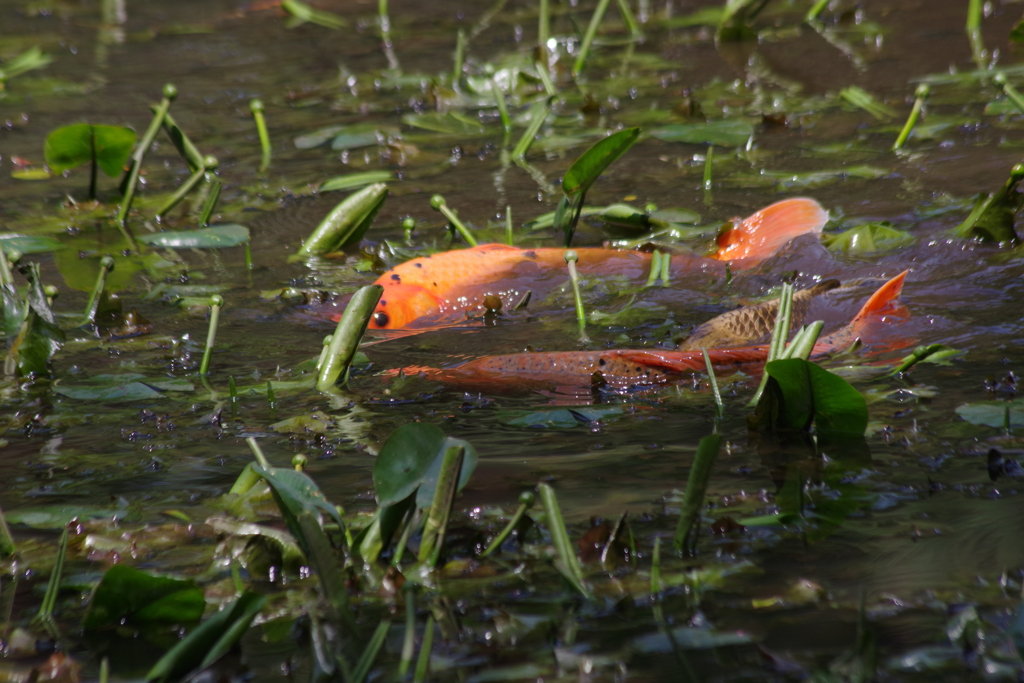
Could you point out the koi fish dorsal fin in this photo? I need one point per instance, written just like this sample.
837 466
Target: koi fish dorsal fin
762 234
884 298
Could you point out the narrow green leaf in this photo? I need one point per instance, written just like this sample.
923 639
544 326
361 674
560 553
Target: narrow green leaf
728 132
347 222
696 485
353 181
592 163
214 237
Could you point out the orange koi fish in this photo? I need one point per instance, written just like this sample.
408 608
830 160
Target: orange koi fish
443 288
625 368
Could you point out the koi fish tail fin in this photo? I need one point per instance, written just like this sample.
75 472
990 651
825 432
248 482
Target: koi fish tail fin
884 300
765 232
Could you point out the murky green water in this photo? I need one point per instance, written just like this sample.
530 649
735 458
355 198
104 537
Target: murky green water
932 530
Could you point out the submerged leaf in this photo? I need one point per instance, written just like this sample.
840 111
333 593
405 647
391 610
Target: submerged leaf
128 594
993 413
214 237
29 244
353 181
730 132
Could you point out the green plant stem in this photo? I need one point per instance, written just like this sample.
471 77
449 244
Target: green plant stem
816 9
345 340
188 151
105 670
434 528
656 585
544 28
627 16
53 585
438 204
7 546
499 100
779 336
571 257
423 661
257 452
460 55
719 405
708 161
131 179
271 400
652 275
696 485
185 188
409 641
106 265
915 112
545 79
509 238
918 355
666 272
1011 93
256 107
538 114
216 302
588 37
526 501
803 343
211 202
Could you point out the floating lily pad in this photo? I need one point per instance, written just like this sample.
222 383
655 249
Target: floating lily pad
563 418
215 237
993 413
107 146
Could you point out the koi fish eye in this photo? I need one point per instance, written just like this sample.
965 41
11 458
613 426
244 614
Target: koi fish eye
381 319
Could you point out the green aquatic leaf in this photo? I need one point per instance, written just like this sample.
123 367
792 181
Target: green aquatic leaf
209 641
347 222
667 217
707 16
301 13
58 516
592 163
30 174
29 244
410 459
39 336
868 238
993 413
449 123
729 132
214 237
561 418
128 391
32 58
139 598
800 392
993 216
107 146
862 99
353 181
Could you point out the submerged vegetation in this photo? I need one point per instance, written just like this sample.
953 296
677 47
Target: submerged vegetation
411 530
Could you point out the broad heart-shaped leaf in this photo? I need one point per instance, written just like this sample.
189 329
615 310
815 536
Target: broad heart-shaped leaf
209 641
993 413
592 163
800 392
425 495
141 598
731 132
404 461
868 238
73 145
214 237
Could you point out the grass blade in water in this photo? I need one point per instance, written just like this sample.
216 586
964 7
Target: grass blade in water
345 339
588 37
719 406
353 181
804 341
423 661
53 585
696 485
409 640
538 114
370 653
920 95
567 563
347 222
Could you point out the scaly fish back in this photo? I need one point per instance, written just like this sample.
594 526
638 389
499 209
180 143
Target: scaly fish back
750 323
763 233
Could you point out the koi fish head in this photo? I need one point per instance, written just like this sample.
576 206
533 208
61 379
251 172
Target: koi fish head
400 305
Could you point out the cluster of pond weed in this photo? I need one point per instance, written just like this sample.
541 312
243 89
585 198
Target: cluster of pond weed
294 500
